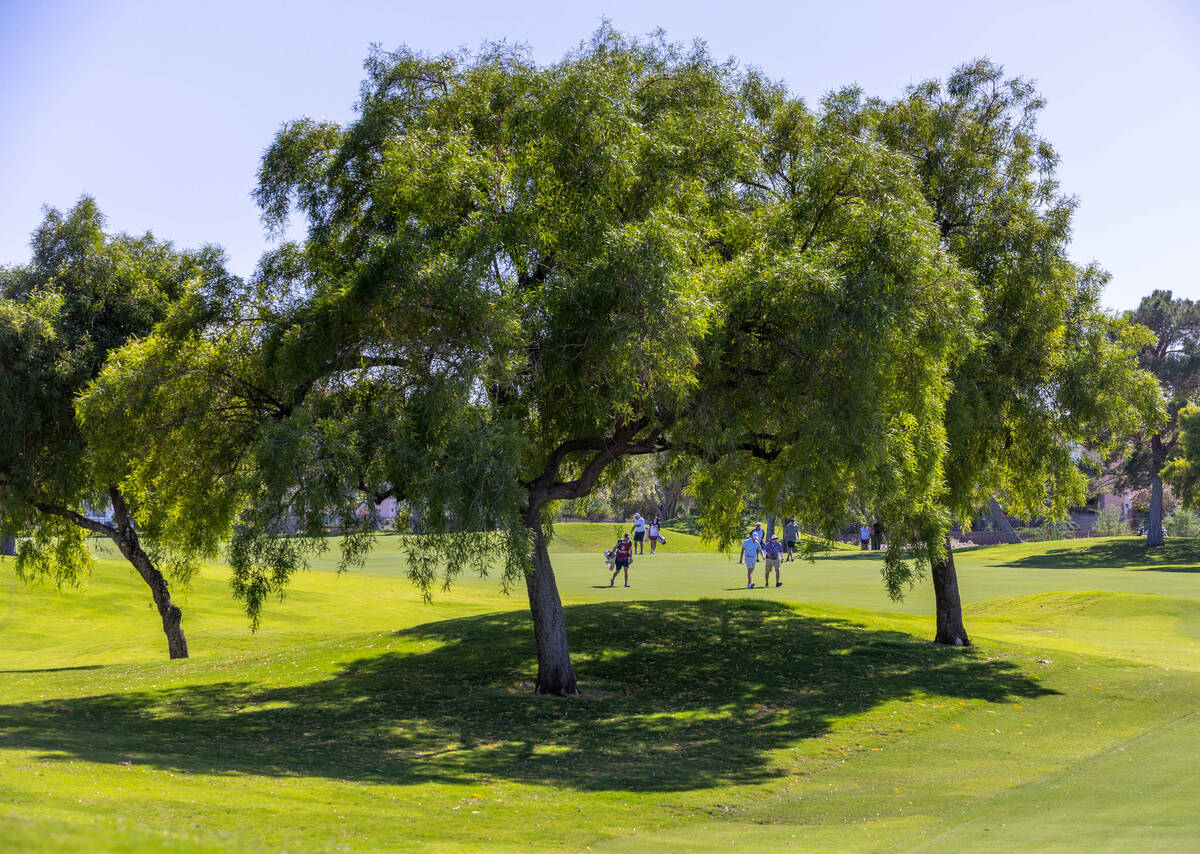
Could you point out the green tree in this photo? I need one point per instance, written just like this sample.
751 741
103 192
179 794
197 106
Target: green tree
83 295
516 277
1173 357
1051 369
1183 472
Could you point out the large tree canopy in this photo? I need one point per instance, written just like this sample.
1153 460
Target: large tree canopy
83 295
517 276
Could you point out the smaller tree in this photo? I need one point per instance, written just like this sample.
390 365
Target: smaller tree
1110 524
83 295
1183 473
1174 358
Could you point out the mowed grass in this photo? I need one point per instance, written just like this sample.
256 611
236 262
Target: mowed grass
815 715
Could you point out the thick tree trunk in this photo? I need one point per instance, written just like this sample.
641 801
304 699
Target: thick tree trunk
1005 526
555 675
1154 534
668 498
950 629
770 526
8 547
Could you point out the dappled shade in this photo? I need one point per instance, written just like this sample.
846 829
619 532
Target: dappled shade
678 696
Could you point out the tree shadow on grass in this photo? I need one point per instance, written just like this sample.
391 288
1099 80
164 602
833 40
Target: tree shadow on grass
678 695
1175 555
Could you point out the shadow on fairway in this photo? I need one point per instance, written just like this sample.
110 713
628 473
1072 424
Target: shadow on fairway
1175 555
677 695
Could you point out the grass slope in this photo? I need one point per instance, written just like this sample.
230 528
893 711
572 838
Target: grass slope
361 718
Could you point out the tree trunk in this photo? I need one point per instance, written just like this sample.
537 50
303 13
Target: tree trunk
8 547
172 617
127 541
669 503
1005 526
555 675
770 527
125 536
950 629
1154 534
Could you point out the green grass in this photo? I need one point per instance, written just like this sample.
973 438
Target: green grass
813 716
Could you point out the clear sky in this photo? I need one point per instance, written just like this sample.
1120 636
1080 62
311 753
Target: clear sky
161 110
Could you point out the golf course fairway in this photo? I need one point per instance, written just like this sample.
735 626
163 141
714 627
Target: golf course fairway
815 716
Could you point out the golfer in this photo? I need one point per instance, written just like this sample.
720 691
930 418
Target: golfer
771 551
639 533
622 557
750 551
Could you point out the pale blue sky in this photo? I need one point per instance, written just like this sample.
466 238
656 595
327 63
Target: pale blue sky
162 109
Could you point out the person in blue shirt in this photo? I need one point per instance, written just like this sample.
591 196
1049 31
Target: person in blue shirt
749 556
772 550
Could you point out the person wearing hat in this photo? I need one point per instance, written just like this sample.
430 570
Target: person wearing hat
772 551
639 533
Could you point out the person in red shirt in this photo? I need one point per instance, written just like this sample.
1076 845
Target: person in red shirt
623 556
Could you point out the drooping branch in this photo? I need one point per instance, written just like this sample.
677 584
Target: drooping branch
75 518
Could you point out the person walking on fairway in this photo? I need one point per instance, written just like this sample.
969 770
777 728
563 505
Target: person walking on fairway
790 532
750 551
771 551
639 533
622 557
757 534
654 535
864 536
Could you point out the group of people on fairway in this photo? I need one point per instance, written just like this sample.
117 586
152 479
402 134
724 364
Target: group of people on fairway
621 555
772 552
757 545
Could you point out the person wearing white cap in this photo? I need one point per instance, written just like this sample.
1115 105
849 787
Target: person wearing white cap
772 551
639 533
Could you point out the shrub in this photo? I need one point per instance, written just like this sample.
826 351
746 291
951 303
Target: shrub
1110 524
1182 523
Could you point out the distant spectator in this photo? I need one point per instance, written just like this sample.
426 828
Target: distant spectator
864 536
790 532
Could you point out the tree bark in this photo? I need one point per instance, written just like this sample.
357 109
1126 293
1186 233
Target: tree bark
950 629
671 495
1154 535
1005 526
555 675
127 541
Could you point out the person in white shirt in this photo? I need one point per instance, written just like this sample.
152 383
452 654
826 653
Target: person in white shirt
639 533
654 535
750 550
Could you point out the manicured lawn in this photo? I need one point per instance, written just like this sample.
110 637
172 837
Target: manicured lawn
814 715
